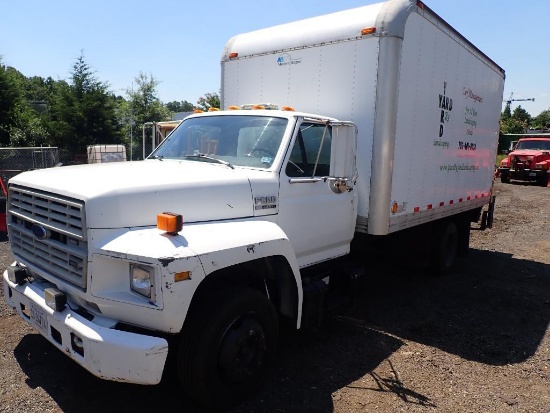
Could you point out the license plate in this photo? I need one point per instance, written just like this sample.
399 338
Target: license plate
532 174
38 317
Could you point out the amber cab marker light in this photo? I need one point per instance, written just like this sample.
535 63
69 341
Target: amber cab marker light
420 5
233 55
170 222
233 107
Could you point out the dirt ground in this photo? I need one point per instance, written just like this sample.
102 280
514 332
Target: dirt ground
474 341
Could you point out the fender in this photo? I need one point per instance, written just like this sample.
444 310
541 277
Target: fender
111 254
222 245
201 249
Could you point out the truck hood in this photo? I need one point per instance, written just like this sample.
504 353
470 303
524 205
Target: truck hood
528 152
127 194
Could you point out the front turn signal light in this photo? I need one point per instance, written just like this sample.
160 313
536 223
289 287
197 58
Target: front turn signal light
182 276
170 222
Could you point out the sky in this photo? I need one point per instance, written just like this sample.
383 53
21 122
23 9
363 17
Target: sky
180 42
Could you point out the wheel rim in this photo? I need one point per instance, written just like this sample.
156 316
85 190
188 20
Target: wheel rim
243 349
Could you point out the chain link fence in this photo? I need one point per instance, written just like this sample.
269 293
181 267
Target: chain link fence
16 160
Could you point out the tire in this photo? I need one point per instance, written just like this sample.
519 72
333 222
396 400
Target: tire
226 347
445 249
542 180
505 178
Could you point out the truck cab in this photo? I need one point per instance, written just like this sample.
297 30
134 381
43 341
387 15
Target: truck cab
247 187
297 165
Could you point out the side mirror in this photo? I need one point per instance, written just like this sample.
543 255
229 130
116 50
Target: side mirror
344 143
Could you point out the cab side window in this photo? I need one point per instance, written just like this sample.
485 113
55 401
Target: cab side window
313 140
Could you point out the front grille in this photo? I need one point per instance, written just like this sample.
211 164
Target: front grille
522 162
48 233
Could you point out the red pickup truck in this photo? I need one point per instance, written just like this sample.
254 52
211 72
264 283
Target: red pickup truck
529 161
3 196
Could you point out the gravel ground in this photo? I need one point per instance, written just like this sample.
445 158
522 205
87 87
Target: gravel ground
474 341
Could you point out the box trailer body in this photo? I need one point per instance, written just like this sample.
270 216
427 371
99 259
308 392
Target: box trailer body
242 219
426 103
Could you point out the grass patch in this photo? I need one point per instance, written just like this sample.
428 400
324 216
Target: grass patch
500 157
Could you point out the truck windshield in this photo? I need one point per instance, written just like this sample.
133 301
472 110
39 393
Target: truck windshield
237 140
534 144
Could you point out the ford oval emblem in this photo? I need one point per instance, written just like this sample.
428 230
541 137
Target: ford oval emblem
39 231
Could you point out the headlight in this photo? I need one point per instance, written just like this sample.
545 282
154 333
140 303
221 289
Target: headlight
142 280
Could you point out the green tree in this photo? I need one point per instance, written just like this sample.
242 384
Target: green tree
542 121
144 104
209 100
183 106
512 126
34 133
19 126
516 122
507 112
521 115
83 111
11 104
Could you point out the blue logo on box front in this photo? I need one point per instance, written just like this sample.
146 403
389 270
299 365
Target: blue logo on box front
285 59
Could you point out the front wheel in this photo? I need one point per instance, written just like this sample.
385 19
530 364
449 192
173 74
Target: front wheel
505 178
542 180
226 347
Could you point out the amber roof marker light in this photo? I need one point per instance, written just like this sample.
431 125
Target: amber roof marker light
368 30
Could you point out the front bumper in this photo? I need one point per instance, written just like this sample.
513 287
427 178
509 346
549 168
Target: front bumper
523 174
105 352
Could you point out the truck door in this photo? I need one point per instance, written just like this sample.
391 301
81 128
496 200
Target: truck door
317 200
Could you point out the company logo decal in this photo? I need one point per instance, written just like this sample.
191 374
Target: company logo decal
285 59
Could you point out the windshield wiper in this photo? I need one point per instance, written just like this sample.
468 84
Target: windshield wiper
210 158
160 157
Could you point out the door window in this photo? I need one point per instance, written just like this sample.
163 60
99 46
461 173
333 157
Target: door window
310 154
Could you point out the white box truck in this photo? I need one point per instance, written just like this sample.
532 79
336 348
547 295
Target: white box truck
244 219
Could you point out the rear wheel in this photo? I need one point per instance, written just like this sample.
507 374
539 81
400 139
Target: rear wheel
226 347
505 178
445 248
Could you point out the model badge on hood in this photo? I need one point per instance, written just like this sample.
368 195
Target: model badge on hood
265 202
